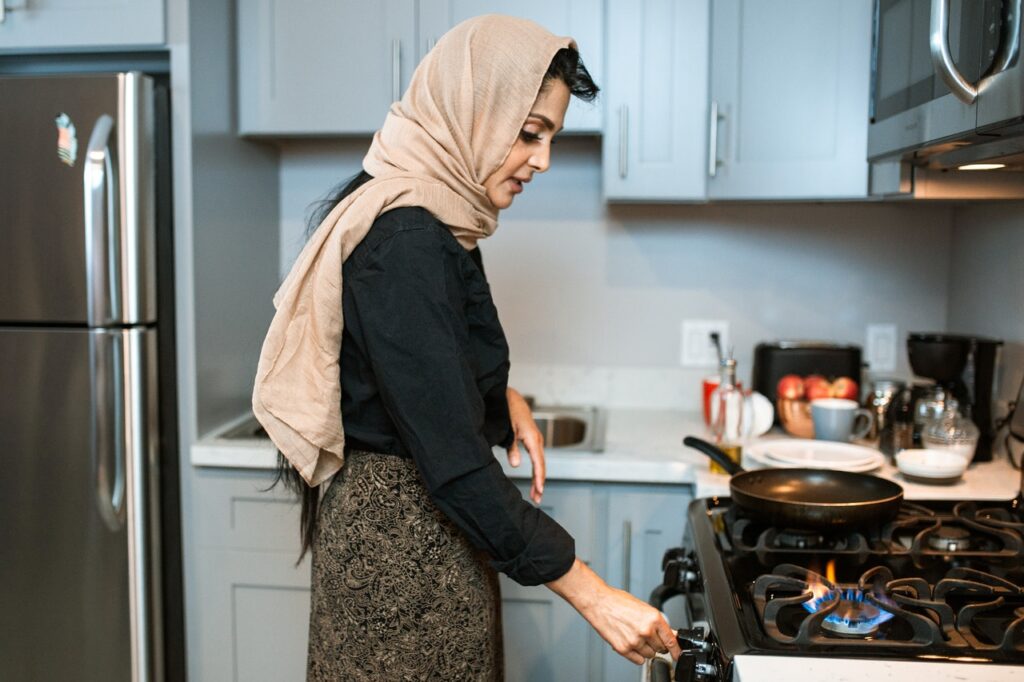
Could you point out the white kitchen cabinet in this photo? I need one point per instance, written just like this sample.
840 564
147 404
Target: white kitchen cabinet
581 19
253 600
48 24
790 81
643 522
333 67
545 638
322 67
655 138
252 621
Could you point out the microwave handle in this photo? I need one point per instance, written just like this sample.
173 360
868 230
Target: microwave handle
942 60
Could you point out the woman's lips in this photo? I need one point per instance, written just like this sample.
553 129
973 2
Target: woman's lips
517 186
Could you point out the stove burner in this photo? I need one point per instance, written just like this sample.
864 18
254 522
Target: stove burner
799 539
950 539
853 617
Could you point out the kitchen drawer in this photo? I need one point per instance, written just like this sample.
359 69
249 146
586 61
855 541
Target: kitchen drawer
234 512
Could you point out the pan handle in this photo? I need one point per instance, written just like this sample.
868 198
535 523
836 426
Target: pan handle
719 457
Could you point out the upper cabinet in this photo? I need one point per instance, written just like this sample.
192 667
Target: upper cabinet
322 67
789 99
784 115
581 19
32 24
333 67
655 100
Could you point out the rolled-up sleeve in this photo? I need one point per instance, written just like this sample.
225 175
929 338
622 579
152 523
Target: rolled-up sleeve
415 334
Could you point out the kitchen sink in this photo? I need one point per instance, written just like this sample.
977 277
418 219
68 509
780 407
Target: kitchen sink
564 428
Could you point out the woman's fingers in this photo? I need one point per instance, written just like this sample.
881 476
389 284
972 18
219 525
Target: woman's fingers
534 443
668 640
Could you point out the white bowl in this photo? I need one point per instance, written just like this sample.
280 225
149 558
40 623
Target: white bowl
931 466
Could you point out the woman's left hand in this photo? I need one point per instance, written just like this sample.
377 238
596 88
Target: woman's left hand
525 429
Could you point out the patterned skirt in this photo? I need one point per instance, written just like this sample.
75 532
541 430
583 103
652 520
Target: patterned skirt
398 591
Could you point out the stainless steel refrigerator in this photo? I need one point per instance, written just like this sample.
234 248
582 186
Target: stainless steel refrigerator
89 549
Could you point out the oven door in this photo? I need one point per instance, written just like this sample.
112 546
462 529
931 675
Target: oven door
911 103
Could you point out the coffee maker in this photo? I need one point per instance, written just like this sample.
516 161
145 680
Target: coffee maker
965 367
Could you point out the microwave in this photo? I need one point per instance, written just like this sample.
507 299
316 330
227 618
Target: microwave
947 96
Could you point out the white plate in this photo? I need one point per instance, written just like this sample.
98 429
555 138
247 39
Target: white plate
815 454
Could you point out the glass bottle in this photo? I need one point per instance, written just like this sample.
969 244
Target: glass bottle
727 414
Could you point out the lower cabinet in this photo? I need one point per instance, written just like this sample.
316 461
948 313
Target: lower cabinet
253 601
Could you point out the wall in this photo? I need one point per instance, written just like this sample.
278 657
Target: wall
592 297
986 293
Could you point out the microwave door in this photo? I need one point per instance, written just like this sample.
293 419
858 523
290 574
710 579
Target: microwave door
1001 96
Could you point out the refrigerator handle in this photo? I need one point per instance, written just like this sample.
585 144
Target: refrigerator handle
103 273
106 362
125 429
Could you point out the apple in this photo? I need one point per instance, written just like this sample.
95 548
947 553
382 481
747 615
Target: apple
817 386
790 386
845 387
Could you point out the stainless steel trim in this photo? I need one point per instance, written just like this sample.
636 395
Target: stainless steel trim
713 139
136 251
140 444
107 416
623 141
3 12
942 60
627 551
396 69
102 276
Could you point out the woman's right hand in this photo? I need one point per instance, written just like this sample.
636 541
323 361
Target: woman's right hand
633 628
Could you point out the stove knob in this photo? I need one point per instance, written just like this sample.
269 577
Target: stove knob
673 554
681 571
696 663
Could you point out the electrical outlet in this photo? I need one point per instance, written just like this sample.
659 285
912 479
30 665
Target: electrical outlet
697 349
881 347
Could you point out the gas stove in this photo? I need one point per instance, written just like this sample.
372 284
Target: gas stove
941 582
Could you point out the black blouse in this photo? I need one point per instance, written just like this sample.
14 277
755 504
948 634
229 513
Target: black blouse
424 368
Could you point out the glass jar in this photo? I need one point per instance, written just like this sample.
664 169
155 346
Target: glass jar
952 431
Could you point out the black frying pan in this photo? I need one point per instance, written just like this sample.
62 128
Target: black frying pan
820 499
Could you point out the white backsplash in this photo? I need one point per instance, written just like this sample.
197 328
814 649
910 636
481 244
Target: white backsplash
591 296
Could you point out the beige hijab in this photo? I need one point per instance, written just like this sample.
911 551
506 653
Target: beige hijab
455 126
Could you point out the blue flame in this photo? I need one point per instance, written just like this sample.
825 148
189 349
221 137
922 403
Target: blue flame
855 620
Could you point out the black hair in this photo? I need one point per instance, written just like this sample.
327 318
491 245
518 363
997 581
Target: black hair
567 67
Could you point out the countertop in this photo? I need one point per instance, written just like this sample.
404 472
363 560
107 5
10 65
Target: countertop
641 446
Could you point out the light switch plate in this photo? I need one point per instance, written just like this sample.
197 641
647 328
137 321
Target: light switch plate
697 349
881 347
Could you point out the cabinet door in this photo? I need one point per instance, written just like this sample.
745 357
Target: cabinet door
28 24
581 19
253 623
321 66
545 638
790 79
643 522
656 100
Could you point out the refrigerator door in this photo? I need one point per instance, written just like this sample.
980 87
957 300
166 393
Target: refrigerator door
76 200
78 505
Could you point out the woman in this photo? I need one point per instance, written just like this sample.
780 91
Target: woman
389 295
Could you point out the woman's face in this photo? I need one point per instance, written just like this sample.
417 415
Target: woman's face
531 152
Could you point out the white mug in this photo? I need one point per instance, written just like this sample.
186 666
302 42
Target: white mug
839 419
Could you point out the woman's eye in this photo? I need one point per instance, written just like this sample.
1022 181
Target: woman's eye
527 136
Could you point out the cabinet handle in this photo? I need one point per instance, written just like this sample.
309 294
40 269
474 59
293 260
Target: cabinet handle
627 551
396 69
5 8
430 46
623 141
713 139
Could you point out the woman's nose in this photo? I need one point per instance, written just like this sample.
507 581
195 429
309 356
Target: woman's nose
540 160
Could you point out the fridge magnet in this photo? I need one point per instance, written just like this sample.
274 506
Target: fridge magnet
67 139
